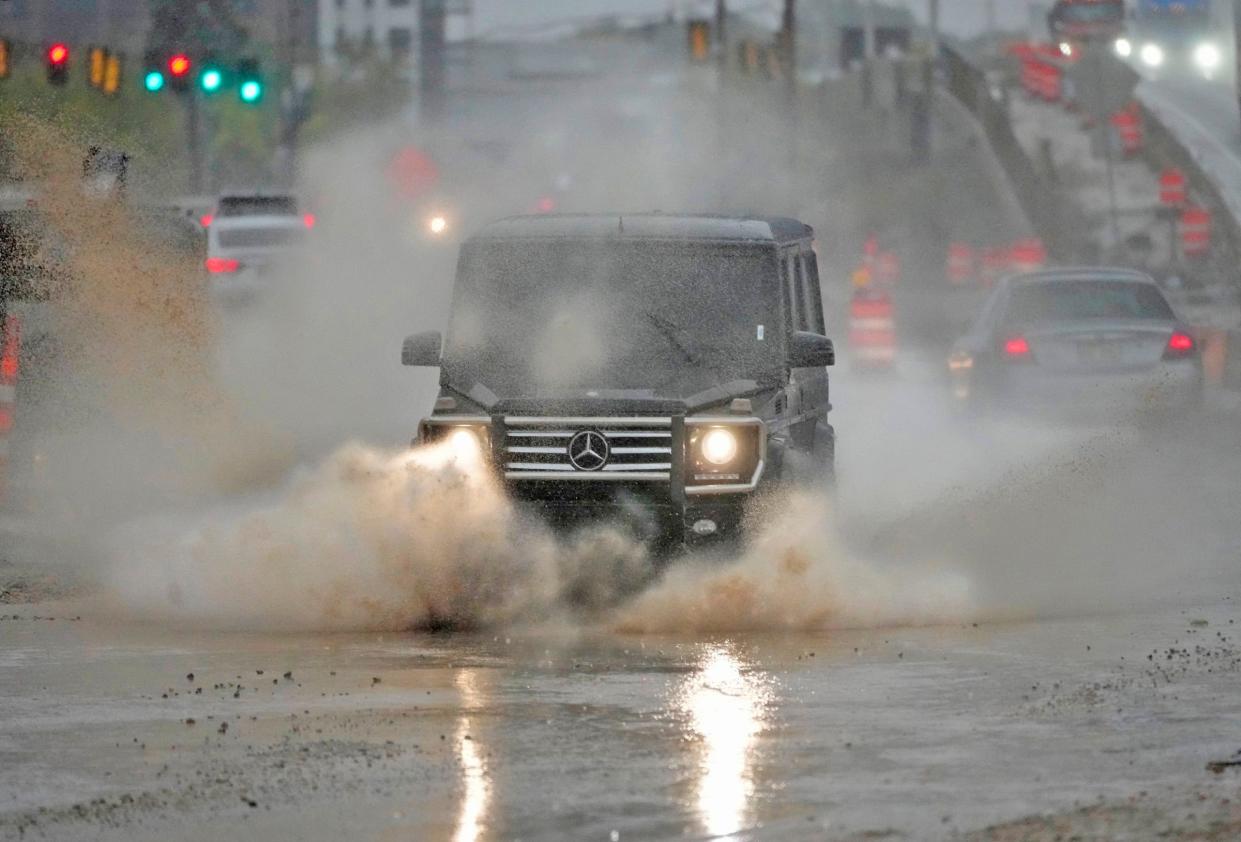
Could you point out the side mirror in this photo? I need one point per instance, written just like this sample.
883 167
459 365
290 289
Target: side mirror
810 350
422 349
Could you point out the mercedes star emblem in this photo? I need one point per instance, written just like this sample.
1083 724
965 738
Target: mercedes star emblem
588 450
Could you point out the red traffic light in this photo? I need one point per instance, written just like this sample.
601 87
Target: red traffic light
179 65
58 54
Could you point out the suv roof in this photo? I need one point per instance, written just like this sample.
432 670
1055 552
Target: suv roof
654 226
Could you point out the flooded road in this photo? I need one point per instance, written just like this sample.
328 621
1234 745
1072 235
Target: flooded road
912 733
1081 685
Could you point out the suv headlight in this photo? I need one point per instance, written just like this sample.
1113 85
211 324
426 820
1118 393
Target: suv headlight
464 435
719 446
724 455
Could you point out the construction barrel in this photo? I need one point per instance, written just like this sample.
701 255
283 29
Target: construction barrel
1128 126
960 267
1195 232
1172 187
872 332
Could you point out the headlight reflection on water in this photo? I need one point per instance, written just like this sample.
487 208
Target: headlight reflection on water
475 783
727 709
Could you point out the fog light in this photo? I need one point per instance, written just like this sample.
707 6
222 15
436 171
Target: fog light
704 527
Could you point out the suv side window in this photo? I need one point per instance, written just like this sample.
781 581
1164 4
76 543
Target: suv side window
788 304
811 295
790 270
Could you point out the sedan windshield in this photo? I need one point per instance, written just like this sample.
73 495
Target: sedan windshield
670 318
1069 301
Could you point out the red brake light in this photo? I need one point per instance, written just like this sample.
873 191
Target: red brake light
1179 345
1017 347
309 220
219 265
58 53
206 219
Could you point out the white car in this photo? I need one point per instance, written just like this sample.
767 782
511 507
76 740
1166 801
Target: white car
241 250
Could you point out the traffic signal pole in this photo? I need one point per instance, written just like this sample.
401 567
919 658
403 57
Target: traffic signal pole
193 129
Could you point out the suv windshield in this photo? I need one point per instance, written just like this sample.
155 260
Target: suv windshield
1069 301
532 317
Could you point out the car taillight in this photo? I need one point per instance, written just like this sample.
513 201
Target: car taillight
220 265
1180 345
308 220
1017 348
206 219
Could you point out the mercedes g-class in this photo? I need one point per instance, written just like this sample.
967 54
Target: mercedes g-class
658 370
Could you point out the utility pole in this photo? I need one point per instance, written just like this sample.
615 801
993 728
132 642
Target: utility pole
788 37
431 77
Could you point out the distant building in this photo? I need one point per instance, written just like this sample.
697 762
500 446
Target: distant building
387 28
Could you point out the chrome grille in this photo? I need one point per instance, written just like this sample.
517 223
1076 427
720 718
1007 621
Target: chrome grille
639 448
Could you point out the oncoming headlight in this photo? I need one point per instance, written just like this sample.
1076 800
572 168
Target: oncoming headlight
1207 56
719 446
1151 55
724 455
437 224
1123 47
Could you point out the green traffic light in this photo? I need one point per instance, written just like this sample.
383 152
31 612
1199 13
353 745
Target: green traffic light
153 81
250 91
211 80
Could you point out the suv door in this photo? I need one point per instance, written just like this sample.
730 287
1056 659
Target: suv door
809 396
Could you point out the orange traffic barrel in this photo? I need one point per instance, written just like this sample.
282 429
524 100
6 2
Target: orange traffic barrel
887 268
1195 232
1128 126
872 332
1172 187
1027 255
992 265
960 263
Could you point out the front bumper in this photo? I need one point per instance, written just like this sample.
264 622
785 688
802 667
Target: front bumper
650 478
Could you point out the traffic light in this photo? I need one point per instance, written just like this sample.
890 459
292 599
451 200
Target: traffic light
5 53
250 83
211 77
179 65
58 64
112 75
152 73
98 65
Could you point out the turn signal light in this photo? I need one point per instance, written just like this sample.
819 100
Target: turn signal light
222 265
1180 346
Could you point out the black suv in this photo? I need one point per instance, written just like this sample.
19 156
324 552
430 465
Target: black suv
654 369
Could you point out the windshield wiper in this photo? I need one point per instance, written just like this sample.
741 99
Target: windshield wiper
671 331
